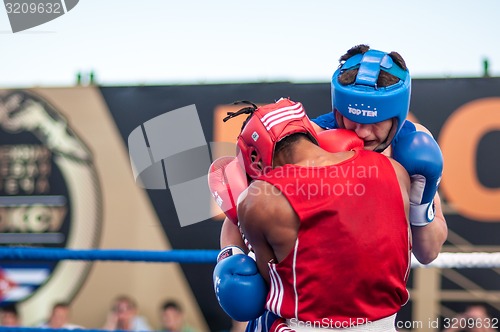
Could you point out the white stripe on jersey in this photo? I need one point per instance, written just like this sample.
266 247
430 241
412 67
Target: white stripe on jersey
272 291
280 294
277 291
283 328
294 264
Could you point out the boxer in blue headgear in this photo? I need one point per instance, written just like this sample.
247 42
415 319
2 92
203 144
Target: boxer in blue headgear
371 96
368 88
366 100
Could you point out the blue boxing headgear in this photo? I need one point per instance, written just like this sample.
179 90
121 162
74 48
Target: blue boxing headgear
363 101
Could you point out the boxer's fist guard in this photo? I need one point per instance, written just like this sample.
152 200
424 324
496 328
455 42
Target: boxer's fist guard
227 180
420 154
339 140
239 287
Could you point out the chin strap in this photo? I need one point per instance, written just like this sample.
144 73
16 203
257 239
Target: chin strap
388 140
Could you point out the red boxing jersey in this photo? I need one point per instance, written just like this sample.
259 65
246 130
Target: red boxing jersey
351 259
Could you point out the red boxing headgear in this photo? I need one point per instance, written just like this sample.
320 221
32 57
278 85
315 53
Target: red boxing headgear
267 126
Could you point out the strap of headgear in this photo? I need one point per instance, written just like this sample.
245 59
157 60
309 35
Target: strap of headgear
369 65
245 110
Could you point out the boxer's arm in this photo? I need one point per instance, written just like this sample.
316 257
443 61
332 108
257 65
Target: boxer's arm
323 122
240 289
253 218
428 241
269 223
317 128
404 185
264 217
230 235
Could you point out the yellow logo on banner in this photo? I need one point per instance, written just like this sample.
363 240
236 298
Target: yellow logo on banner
459 139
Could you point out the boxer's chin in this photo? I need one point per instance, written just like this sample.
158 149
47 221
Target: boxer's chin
370 145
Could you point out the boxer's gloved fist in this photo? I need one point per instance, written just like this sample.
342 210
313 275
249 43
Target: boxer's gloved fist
239 287
420 154
227 180
338 140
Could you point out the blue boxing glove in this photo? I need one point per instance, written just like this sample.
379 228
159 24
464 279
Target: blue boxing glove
239 287
420 154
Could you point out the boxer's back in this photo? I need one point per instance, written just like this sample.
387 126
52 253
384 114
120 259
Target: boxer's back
350 260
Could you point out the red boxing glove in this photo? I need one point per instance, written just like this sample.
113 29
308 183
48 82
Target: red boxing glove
227 180
339 140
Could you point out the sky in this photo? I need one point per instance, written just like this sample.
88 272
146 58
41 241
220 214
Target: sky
162 42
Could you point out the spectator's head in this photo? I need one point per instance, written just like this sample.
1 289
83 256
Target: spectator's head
172 316
59 316
476 311
125 309
9 316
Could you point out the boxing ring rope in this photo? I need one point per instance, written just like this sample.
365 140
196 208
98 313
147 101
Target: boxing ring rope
474 260
196 256
46 329
206 256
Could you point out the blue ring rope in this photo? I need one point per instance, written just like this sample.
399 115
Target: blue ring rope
43 329
56 254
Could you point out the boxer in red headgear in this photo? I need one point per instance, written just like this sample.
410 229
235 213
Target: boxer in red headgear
318 227
265 127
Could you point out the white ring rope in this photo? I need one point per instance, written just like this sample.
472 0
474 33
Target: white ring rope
463 260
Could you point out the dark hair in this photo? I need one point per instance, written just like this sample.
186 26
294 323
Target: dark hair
284 145
384 78
171 304
10 309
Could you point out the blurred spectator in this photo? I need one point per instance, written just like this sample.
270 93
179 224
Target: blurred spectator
9 316
59 317
172 318
123 316
475 318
